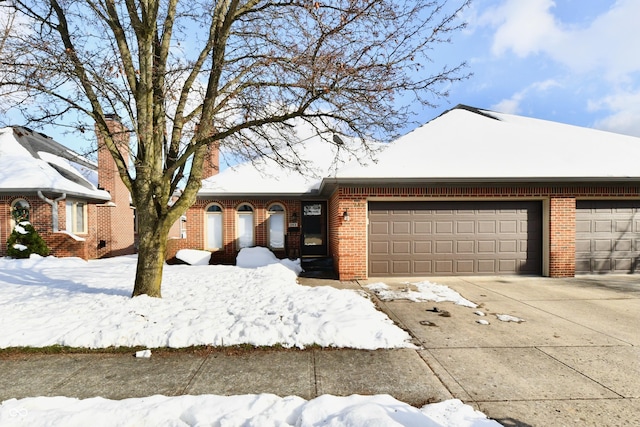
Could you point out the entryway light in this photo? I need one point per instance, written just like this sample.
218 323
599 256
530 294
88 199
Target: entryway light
345 216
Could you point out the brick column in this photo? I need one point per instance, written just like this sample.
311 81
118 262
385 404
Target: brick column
562 236
349 238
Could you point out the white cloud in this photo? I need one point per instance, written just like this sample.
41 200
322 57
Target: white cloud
525 27
607 43
512 105
625 110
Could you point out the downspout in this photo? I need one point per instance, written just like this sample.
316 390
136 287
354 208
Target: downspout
54 208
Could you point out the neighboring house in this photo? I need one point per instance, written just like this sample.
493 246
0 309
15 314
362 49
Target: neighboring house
80 208
472 192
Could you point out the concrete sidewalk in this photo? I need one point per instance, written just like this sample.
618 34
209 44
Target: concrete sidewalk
575 361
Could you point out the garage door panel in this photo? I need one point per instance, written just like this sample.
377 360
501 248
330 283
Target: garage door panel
602 226
421 227
464 266
401 227
486 227
443 267
444 247
401 248
487 246
623 226
508 246
378 227
422 247
465 247
401 267
422 267
481 237
607 236
444 227
379 248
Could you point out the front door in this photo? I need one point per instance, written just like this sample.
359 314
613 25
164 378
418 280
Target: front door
314 228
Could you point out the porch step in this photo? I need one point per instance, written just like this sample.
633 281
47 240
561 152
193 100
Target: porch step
319 268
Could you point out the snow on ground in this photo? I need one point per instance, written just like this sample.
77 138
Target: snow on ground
246 410
420 291
71 302
68 301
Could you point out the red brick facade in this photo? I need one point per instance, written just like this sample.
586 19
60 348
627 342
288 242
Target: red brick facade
196 232
348 240
115 220
109 226
61 243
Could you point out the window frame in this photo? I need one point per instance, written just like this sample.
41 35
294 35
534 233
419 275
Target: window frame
240 214
71 205
271 213
207 215
13 205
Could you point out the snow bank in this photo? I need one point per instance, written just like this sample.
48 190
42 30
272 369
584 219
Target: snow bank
71 302
194 256
260 257
246 410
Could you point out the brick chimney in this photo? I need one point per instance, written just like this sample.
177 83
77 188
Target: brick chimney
211 165
115 219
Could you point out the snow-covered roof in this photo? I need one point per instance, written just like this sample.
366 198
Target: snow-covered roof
471 144
320 159
30 161
464 144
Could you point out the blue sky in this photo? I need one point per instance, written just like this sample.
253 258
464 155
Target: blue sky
570 61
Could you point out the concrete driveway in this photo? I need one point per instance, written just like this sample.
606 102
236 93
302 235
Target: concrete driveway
574 361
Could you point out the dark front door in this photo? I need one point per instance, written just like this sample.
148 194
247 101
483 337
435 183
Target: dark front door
314 228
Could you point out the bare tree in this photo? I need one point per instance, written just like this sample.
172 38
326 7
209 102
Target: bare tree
187 74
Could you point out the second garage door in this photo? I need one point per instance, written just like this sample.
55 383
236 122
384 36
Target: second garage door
454 238
607 236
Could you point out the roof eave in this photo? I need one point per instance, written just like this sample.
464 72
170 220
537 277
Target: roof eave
328 184
73 194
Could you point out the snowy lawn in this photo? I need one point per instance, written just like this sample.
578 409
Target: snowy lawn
71 302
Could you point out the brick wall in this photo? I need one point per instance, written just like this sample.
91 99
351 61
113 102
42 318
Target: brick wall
196 233
348 240
562 236
61 244
115 223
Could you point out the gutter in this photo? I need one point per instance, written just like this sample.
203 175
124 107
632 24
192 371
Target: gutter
329 184
54 208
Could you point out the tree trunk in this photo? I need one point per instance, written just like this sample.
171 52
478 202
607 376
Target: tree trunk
151 257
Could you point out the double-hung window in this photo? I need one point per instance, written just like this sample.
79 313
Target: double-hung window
76 217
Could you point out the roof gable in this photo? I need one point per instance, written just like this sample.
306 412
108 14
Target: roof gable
30 161
467 143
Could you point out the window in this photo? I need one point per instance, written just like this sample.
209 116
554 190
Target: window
245 226
276 215
213 218
20 211
76 217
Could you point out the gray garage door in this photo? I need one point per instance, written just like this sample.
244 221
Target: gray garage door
461 238
607 236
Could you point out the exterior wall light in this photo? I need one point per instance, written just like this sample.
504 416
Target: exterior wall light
345 215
